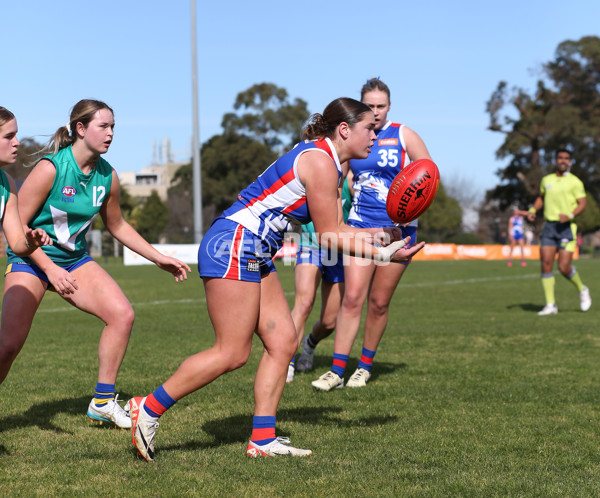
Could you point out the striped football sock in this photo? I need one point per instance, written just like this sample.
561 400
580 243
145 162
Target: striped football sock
104 393
158 402
339 363
293 362
311 342
366 359
263 429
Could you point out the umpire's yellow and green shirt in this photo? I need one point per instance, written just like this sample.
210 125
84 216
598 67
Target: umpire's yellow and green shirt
71 207
560 194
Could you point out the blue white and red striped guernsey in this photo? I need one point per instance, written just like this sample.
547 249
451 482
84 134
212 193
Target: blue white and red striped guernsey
277 198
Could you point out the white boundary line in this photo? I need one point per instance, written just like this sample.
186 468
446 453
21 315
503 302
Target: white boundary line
421 284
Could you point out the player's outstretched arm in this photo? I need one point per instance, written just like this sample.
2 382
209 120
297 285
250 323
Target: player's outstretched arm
126 234
22 239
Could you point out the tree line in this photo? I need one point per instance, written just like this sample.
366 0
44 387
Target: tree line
267 123
563 110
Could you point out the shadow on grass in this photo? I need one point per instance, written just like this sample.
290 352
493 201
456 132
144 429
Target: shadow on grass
323 363
237 429
525 306
42 415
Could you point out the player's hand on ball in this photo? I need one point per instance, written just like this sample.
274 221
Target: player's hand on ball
392 234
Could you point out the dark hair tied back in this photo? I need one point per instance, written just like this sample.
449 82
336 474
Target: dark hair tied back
342 110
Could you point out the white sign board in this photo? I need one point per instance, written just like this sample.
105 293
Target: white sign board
188 253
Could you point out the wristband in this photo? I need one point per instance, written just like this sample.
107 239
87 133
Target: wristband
384 254
532 210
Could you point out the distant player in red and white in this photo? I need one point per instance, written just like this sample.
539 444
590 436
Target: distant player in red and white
396 146
516 232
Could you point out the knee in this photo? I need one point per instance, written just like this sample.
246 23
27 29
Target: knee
9 348
565 269
236 359
304 306
352 303
328 323
379 307
285 347
124 316
291 346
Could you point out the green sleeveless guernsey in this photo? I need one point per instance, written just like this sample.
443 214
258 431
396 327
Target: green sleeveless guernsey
4 193
71 207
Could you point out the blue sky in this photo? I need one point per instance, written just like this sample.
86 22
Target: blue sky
442 61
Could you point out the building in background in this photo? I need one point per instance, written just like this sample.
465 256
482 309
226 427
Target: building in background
157 176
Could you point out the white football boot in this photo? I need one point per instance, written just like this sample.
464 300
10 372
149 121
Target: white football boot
549 309
279 446
328 381
359 378
585 301
111 413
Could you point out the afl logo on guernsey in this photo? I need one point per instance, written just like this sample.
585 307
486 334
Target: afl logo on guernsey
68 193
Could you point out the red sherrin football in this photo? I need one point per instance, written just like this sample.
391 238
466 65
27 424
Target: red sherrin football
412 191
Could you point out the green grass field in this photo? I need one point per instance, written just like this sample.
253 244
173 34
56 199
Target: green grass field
473 394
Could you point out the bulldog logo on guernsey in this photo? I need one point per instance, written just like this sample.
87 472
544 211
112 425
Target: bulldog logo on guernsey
68 193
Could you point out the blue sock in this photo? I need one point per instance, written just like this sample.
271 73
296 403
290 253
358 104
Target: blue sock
339 363
366 359
293 362
158 402
311 342
263 429
104 393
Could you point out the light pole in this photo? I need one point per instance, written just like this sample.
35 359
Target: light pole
197 171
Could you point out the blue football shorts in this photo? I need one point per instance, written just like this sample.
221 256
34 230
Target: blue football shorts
228 250
329 262
518 236
16 265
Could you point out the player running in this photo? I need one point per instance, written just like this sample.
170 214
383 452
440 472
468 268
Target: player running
243 292
562 195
